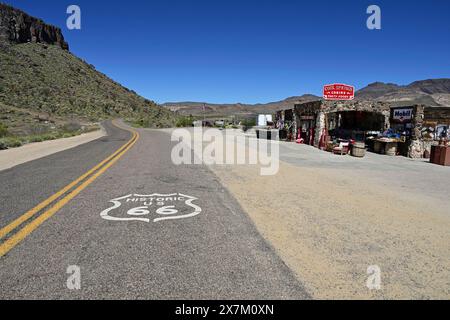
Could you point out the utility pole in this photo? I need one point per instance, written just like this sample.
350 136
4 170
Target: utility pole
204 114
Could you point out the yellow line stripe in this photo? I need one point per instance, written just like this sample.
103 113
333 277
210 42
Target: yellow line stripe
26 216
33 225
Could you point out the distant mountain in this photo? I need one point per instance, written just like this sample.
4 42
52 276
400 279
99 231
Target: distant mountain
433 92
196 108
432 86
377 89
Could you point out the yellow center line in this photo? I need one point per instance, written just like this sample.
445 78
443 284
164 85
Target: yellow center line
10 227
6 246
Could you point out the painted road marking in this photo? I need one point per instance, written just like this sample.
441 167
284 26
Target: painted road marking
136 207
92 175
29 214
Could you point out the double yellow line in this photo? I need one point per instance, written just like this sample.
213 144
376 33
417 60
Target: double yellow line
58 200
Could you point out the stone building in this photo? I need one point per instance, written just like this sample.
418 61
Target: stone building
353 116
355 119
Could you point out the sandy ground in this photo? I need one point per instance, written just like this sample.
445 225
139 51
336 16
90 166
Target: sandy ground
329 229
13 157
331 217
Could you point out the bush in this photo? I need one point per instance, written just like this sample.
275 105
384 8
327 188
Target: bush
247 124
68 135
7 143
3 130
183 122
36 139
14 143
49 136
141 123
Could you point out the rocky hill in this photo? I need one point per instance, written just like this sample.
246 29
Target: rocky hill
41 79
432 92
18 27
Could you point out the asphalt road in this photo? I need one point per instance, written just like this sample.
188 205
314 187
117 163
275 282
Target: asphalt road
214 254
26 185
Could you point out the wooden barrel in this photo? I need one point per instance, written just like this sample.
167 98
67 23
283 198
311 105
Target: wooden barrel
391 149
377 147
359 149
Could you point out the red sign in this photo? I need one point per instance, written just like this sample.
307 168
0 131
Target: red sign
338 91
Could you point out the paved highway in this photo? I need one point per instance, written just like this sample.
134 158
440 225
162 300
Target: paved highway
173 232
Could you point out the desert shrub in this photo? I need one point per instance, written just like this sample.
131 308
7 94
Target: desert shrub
45 92
141 123
247 124
71 127
3 130
68 135
14 143
35 139
49 136
7 143
183 122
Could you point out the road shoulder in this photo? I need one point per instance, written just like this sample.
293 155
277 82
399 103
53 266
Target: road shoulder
16 156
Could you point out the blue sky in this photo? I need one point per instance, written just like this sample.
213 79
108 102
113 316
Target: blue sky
253 51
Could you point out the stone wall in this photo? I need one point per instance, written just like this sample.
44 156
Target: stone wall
423 114
419 145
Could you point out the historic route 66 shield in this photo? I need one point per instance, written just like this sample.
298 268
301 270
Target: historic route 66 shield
156 207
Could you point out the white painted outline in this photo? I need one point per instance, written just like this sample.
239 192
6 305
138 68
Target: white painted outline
117 204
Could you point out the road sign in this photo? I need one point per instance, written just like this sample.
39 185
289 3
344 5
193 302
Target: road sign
338 91
403 114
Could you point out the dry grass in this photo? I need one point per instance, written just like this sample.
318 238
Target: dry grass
44 79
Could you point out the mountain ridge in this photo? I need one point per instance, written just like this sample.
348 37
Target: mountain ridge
432 92
196 108
17 26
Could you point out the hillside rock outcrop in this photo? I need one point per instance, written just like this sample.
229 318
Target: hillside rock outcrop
18 27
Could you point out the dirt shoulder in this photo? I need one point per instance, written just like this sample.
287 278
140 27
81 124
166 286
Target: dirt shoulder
329 223
13 157
329 228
